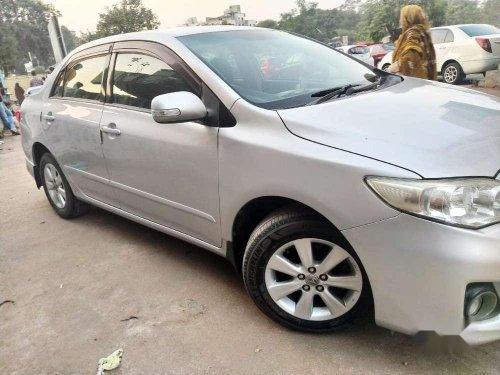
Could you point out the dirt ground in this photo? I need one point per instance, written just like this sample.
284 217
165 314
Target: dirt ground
83 288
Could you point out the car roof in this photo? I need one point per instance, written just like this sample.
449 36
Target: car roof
460 25
164 35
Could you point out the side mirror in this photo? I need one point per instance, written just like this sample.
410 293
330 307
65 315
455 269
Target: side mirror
181 106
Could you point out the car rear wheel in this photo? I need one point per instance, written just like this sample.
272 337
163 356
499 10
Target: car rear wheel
453 74
301 274
57 189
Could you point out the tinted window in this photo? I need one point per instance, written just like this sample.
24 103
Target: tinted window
438 36
449 37
138 78
83 79
360 50
274 69
479 30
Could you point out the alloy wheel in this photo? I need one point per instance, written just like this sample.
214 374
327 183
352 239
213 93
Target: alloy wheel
450 74
55 185
313 279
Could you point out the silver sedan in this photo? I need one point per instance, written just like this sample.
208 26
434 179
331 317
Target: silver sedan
336 189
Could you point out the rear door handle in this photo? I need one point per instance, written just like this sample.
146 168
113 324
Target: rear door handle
110 130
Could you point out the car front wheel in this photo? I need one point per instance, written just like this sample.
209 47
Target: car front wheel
300 273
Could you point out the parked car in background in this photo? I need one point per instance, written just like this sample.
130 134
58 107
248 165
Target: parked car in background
379 50
327 214
462 50
360 52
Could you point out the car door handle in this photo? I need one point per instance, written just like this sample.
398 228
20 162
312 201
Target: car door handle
108 130
48 117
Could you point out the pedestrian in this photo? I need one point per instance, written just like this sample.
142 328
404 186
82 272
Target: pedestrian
6 116
19 91
414 55
35 81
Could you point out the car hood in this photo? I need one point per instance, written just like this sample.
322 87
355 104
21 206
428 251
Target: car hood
433 129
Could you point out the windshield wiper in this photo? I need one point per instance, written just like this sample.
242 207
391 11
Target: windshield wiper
346 90
331 91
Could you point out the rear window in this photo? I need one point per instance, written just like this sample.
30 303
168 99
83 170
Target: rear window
479 30
360 50
377 49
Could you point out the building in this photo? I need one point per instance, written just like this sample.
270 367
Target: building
192 21
231 16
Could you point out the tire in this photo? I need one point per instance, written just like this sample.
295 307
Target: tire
275 233
453 73
53 179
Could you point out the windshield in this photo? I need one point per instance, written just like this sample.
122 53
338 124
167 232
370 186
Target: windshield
274 69
479 30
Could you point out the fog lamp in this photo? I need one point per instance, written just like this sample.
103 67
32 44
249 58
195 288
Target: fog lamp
481 302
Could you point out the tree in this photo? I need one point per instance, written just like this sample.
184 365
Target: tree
71 41
8 51
269 24
378 15
126 17
490 12
462 11
322 24
26 21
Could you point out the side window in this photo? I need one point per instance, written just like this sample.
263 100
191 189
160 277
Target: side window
58 87
83 79
438 36
449 37
138 78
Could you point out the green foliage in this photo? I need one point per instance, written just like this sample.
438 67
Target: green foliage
8 50
128 16
369 20
25 21
321 24
462 11
490 12
380 15
269 24
71 41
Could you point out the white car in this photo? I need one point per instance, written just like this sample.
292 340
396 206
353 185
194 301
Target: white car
462 50
361 53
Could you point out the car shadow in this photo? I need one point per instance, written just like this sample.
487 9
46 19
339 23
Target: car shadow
364 336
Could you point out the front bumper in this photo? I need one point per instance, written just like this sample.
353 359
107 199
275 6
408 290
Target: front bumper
419 271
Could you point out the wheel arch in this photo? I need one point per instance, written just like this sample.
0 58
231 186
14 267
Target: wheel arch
38 149
252 213
449 61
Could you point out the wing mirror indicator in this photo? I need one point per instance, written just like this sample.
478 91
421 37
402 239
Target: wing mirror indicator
179 106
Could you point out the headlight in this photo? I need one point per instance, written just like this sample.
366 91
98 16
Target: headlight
466 202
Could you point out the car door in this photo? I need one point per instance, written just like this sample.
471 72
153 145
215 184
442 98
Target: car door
71 117
443 44
165 173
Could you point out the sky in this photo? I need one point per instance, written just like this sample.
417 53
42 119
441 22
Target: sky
82 15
